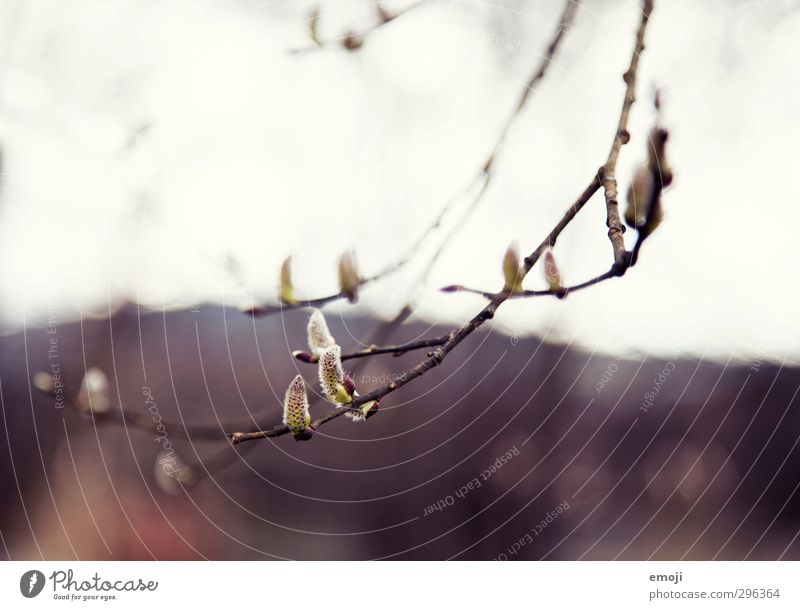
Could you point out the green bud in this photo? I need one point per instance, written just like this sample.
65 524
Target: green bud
287 289
512 272
551 273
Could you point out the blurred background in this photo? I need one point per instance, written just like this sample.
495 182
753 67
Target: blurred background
159 161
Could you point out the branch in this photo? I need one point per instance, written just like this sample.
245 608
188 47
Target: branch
373 350
661 177
616 229
560 294
453 338
259 311
456 336
143 420
353 41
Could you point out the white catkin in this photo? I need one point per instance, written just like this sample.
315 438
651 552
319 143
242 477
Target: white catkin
295 406
331 374
319 337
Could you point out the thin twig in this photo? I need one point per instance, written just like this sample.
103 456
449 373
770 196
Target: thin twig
560 294
456 336
355 40
373 350
564 25
259 311
616 229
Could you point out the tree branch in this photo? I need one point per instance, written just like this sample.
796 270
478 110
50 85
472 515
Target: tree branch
353 41
560 294
616 229
373 350
605 178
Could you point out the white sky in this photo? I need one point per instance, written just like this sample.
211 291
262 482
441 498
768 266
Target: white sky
145 142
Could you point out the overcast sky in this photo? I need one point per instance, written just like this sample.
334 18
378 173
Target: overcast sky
146 143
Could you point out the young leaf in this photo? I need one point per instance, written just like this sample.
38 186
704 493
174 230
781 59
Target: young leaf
94 394
287 289
348 276
332 377
512 272
295 409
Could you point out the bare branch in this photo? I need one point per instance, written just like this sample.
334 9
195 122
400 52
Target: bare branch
564 25
353 41
613 221
373 350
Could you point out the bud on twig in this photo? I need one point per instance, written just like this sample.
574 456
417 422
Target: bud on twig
512 272
295 410
348 276
313 25
332 377
94 394
319 337
352 41
287 289
552 275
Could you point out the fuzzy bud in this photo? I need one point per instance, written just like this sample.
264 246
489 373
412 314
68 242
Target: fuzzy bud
319 337
348 276
313 26
512 273
332 377
295 409
94 394
287 289
45 383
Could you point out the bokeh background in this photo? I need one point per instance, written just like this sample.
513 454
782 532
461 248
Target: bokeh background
159 161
